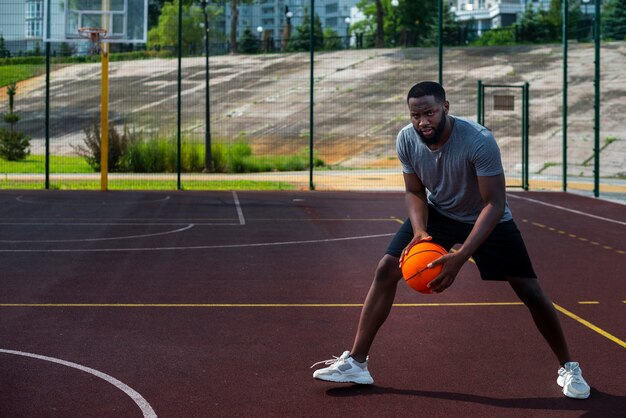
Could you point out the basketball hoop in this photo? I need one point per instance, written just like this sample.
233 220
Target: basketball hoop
94 35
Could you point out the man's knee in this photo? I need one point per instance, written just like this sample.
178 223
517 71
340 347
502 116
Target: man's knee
529 291
388 271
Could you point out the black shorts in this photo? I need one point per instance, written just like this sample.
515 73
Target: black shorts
502 255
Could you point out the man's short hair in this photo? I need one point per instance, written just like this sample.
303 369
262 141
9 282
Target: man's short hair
427 88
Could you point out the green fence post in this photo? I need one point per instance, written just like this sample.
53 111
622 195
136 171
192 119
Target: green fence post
565 12
596 103
526 137
179 102
440 40
47 115
479 103
311 103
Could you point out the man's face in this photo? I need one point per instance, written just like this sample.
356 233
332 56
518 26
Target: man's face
428 118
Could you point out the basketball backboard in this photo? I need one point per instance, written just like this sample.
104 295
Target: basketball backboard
125 21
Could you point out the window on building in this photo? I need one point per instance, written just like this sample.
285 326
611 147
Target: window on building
332 8
33 28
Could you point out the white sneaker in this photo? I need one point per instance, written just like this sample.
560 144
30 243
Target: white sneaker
344 369
572 381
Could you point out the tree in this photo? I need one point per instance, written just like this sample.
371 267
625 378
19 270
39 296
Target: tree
154 11
4 52
451 31
249 44
332 40
300 41
367 26
380 24
374 12
614 20
534 27
165 34
413 20
418 18
14 145
234 19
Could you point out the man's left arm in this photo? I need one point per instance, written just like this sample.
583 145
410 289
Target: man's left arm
493 193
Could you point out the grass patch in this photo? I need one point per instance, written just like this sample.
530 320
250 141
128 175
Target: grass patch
140 184
546 166
15 73
36 164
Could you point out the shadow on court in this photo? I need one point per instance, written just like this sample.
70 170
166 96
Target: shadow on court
599 404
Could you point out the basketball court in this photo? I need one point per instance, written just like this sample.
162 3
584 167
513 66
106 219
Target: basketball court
217 304
198 304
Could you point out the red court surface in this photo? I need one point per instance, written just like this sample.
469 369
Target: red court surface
215 304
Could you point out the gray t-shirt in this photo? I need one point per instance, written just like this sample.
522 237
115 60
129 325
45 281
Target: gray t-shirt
450 173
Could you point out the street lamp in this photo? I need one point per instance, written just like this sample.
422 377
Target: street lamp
394 7
586 2
287 29
347 20
259 29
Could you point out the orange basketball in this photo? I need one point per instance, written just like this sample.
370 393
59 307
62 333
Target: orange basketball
414 269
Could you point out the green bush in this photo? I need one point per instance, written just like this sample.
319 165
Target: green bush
118 144
219 153
131 152
14 145
160 156
503 36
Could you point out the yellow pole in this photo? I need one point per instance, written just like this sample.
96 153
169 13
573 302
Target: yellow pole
104 103
104 118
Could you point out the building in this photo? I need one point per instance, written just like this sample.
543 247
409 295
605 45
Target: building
21 24
268 18
482 15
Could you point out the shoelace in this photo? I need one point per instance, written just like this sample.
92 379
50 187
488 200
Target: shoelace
573 376
330 362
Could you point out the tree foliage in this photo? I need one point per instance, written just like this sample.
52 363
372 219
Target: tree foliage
614 20
14 145
165 34
300 40
249 44
411 23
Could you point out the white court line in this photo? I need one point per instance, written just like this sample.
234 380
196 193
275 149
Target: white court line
139 400
201 247
103 239
242 220
569 210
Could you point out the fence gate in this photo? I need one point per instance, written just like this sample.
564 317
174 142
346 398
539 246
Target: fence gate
503 109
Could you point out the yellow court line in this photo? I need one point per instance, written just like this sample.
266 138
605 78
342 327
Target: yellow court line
241 305
588 302
302 305
591 326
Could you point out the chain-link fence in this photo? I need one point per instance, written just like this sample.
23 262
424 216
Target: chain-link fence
246 120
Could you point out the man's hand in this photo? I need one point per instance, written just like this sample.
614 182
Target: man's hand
419 237
452 263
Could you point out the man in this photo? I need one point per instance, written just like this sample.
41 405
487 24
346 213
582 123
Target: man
455 194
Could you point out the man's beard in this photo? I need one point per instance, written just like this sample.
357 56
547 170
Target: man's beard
438 132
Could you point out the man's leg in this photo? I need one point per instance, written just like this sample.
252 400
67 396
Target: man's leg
544 314
570 376
351 366
377 305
